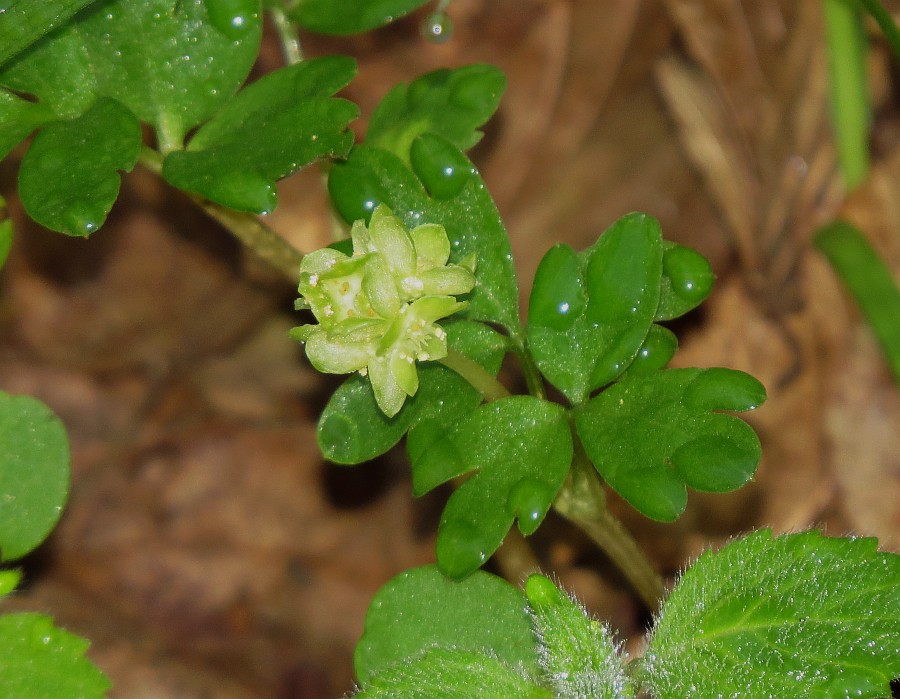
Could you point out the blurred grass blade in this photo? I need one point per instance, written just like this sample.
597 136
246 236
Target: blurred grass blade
848 88
886 22
869 280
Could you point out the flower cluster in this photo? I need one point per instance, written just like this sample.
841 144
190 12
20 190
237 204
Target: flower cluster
378 310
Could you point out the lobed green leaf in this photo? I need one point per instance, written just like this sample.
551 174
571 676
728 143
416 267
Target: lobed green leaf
422 609
452 103
687 280
796 616
272 128
43 660
34 474
165 62
521 448
589 314
353 429
69 178
650 435
350 16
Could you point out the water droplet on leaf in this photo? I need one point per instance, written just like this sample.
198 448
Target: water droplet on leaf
442 168
234 18
658 348
437 28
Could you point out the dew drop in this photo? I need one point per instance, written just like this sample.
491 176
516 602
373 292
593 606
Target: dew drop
234 18
437 28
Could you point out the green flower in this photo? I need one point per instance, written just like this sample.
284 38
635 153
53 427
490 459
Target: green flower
378 310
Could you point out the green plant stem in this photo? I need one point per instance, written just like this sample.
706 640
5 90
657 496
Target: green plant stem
870 282
848 88
287 36
582 501
247 228
489 387
886 22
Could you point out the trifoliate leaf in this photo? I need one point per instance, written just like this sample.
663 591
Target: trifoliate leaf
461 204
521 448
651 435
451 103
352 429
450 673
34 474
793 617
422 609
578 656
350 16
271 129
165 61
43 660
69 178
589 314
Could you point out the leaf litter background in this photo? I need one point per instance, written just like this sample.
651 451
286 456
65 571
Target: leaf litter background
209 552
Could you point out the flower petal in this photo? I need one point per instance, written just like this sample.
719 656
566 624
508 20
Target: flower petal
390 238
388 393
447 281
337 357
432 246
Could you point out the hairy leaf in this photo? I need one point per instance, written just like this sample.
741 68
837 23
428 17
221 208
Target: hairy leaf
350 16
450 673
43 660
797 616
651 435
69 178
521 448
577 654
421 609
451 103
458 200
271 129
352 429
589 314
34 474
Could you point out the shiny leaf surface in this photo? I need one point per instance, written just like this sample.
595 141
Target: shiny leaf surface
589 314
69 178
521 448
651 435
450 103
271 129
34 474
43 660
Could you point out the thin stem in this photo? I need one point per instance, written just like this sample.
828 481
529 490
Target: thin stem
247 228
489 388
848 88
582 501
287 36
886 22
